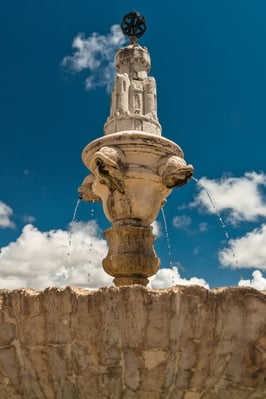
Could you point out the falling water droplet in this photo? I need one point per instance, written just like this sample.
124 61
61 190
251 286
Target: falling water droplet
227 236
92 209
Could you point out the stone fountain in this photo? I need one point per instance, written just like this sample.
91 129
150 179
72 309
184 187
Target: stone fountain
132 342
133 168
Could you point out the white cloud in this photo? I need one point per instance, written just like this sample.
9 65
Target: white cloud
156 229
248 251
244 200
170 276
56 257
96 53
203 227
242 197
196 251
29 219
182 221
5 216
258 281
59 258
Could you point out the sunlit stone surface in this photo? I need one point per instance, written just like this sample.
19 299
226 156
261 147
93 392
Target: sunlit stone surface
132 342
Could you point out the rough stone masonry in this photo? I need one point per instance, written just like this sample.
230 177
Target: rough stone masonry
133 343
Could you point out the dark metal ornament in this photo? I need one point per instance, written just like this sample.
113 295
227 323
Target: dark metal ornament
133 25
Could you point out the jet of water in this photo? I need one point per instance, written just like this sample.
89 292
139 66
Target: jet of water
72 223
167 237
70 233
224 227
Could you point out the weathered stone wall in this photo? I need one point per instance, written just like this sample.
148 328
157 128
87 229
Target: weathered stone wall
132 342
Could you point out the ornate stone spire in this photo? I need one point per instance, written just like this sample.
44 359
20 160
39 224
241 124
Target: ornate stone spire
133 168
134 98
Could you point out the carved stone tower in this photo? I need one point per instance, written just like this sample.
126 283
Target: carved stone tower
133 168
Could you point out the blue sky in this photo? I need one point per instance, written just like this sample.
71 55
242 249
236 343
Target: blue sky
209 61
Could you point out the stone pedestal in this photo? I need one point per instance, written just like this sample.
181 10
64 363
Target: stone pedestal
131 257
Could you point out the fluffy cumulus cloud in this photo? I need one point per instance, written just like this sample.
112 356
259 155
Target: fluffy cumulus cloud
156 229
257 281
170 276
249 250
242 197
5 216
182 221
95 54
57 257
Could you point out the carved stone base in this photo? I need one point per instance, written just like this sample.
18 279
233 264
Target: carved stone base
131 257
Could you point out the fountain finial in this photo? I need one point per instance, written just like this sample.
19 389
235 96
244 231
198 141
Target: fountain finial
133 25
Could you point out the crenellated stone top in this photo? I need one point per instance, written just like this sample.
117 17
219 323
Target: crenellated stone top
134 60
134 97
